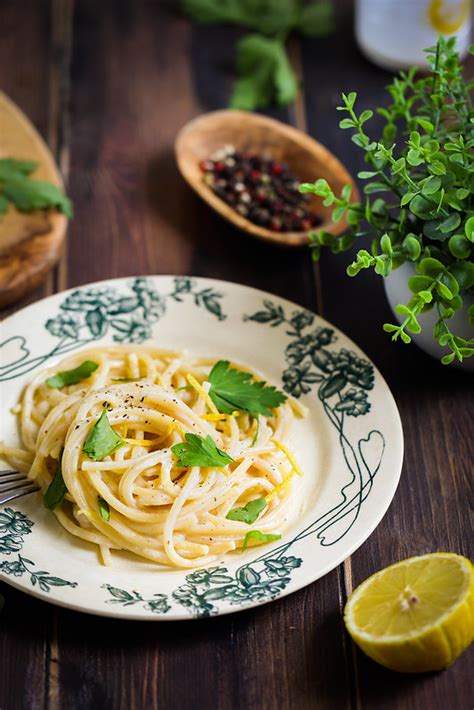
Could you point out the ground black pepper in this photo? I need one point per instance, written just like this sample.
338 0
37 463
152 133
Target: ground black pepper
261 189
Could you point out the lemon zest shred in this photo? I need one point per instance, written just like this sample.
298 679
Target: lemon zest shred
280 487
143 442
214 417
202 392
289 456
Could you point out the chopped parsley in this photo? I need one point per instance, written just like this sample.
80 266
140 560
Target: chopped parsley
249 513
102 440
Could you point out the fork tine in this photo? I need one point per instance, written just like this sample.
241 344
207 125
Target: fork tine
7 497
14 485
11 476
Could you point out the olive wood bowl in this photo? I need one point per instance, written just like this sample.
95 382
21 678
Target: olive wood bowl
307 159
30 242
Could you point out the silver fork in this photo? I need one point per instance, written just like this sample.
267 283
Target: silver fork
14 484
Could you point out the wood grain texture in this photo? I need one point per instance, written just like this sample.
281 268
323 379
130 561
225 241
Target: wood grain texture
138 73
24 625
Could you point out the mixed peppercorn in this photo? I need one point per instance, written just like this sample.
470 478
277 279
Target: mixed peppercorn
259 188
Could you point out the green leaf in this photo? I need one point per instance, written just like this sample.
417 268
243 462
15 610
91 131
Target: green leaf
56 490
469 229
427 125
406 198
265 74
104 508
234 390
419 283
249 513
430 267
376 187
102 440
261 537
366 174
4 203
459 246
72 377
431 186
412 247
27 194
346 123
198 451
463 272
451 223
317 19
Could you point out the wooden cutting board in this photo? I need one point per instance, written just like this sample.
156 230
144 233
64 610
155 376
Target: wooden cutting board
30 243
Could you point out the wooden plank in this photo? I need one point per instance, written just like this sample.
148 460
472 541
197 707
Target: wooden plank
429 511
24 622
132 90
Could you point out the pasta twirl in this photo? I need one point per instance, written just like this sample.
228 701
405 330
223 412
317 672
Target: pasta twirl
173 515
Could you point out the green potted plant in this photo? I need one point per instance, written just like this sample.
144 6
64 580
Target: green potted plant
418 206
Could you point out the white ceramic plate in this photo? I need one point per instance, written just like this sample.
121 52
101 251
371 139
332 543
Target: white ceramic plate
350 447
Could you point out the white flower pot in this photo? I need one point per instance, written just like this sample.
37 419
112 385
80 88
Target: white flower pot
397 291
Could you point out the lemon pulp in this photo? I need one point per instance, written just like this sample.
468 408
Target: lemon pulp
417 615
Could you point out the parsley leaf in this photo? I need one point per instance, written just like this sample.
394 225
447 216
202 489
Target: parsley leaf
261 537
249 513
102 440
72 377
265 74
27 194
232 389
198 451
57 488
104 508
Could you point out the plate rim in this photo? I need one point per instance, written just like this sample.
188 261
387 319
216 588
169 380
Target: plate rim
311 577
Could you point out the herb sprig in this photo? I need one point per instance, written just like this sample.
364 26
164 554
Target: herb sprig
18 188
425 161
234 390
197 451
265 72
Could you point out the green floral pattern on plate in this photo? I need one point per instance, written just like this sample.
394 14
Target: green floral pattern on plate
14 525
87 315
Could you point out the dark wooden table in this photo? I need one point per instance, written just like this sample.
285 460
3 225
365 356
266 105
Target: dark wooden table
109 84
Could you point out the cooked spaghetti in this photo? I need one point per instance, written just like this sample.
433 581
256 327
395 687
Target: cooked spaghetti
109 443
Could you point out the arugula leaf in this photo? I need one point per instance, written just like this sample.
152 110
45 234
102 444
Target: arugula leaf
198 451
265 74
261 537
57 488
102 440
72 377
233 390
104 508
249 513
27 194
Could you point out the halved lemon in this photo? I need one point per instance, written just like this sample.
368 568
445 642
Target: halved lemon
416 615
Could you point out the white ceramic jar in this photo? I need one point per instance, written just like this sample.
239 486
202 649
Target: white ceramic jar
397 291
394 33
